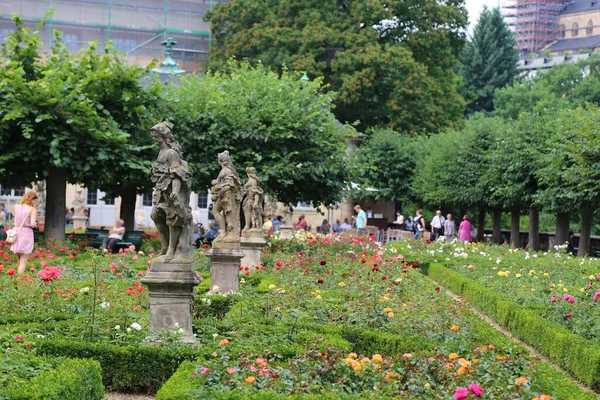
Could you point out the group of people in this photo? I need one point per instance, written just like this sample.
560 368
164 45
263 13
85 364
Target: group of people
359 220
439 226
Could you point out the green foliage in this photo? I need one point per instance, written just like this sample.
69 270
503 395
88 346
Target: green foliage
73 379
64 117
390 64
137 368
452 165
275 123
566 85
488 60
386 162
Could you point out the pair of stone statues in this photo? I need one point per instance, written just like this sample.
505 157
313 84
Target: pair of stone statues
171 212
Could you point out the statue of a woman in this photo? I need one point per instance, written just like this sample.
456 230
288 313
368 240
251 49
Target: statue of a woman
226 192
253 201
171 210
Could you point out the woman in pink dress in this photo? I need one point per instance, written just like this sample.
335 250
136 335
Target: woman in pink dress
25 216
465 229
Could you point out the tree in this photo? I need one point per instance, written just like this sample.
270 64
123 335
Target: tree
488 60
572 157
388 63
130 97
385 161
451 167
278 124
50 128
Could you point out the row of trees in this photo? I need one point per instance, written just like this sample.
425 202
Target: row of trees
538 150
85 119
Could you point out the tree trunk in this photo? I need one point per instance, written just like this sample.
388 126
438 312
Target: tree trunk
127 210
586 229
56 203
534 229
497 228
515 228
561 235
481 223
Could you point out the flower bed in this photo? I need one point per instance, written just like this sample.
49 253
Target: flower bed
547 299
321 317
347 318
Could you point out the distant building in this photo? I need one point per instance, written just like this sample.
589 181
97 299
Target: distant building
136 27
550 32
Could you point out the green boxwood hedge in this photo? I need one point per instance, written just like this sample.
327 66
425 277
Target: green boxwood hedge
129 369
73 379
579 356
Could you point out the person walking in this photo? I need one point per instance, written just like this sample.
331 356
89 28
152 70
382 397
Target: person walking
449 227
25 221
419 224
464 231
437 225
361 220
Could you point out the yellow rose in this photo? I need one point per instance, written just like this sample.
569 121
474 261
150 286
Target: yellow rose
341 284
453 356
377 358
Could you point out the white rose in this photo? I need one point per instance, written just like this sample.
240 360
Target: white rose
128 330
117 327
136 326
104 304
84 289
215 288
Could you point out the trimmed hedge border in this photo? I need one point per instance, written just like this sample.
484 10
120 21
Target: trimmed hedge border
128 369
73 379
579 356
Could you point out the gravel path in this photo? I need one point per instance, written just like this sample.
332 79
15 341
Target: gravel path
124 396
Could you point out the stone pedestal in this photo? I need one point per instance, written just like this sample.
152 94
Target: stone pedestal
286 232
171 289
225 267
252 244
79 222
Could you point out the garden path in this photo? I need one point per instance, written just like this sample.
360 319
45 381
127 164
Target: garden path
125 396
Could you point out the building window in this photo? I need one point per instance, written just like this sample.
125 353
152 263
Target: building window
575 29
19 192
563 31
147 200
590 28
5 192
125 45
92 197
109 201
203 200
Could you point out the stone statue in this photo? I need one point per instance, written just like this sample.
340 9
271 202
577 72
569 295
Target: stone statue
78 203
171 210
226 193
253 201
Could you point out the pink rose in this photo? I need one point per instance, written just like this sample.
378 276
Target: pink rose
204 371
461 394
475 389
568 315
553 298
596 296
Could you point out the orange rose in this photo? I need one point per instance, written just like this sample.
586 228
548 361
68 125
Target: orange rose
521 381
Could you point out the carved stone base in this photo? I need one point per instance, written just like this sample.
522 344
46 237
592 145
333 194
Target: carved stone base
286 232
252 244
79 223
171 288
225 267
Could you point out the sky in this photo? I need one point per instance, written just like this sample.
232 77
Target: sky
474 8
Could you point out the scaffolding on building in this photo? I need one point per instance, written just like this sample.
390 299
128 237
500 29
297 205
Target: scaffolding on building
533 22
135 27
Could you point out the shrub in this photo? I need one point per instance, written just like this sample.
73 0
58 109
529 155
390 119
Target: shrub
129 369
73 379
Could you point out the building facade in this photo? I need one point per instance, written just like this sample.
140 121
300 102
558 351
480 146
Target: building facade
135 27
